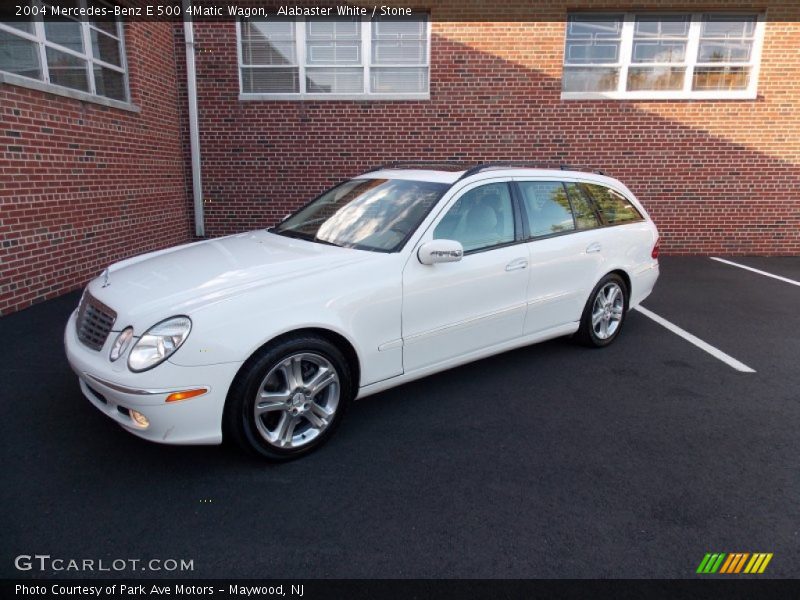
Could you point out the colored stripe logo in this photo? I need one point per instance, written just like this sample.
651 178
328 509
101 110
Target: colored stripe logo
734 563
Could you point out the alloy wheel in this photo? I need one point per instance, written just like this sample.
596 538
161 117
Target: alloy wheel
607 310
297 400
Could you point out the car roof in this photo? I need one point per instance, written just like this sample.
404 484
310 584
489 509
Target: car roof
489 171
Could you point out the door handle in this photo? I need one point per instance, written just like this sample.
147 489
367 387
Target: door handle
595 247
517 263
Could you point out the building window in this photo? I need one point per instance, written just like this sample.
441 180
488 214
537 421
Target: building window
330 58
75 53
666 56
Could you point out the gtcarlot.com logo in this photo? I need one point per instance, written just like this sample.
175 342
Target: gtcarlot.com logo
46 563
734 563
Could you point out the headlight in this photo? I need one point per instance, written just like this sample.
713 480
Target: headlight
158 343
121 343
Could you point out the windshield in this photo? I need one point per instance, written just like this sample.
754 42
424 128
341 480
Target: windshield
369 214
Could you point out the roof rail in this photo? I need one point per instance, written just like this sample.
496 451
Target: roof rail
422 164
471 168
524 164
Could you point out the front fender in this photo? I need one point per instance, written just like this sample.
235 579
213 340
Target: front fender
366 313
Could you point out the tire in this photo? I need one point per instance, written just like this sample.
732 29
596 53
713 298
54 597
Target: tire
602 320
289 398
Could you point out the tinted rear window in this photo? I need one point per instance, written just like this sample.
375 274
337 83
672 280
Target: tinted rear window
613 206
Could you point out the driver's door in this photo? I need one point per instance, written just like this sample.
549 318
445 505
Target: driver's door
454 309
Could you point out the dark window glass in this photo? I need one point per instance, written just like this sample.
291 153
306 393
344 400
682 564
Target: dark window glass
67 70
65 32
105 48
109 83
481 218
585 217
19 56
614 207
547 207
369 214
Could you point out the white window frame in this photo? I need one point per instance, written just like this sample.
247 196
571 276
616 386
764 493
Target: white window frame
366 63
44 84
690 62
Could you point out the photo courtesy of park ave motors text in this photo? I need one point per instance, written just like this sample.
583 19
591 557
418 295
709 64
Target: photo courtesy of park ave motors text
433 291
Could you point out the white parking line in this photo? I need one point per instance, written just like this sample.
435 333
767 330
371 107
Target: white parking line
692 339
778 277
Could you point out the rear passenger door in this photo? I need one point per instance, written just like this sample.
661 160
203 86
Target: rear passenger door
563 232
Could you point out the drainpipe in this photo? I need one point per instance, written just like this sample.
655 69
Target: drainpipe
194 130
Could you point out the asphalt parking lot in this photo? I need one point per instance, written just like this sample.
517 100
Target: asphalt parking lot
549 461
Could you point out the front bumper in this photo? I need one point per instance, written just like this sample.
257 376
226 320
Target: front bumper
116 391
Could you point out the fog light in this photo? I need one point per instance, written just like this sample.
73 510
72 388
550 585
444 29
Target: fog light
139 419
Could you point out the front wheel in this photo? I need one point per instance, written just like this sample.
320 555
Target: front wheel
289 398
604 312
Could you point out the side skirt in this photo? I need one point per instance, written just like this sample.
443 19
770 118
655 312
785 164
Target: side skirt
519 342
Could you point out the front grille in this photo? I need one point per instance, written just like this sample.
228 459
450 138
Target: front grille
94 322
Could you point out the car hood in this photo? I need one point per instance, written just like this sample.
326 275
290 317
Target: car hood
185 278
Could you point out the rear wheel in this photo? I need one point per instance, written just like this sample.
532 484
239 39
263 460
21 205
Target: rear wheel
604 313
289 398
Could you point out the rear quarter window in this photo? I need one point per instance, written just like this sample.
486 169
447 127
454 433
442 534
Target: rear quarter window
613 206
585 216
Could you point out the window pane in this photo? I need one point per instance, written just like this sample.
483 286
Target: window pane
399 79
18 22
547 206
594 53
721 26
593 39
333 52
590 79
108 24
401 52
585 217
65 32
481 218
399 41
709 52
333 80
644 52
109 83
268 43
660 39
270 81
19 56
105 48
655 78
333 28
26 26
726 39
660 27
614 207
594 26
399 28
721 78
67 70
333 42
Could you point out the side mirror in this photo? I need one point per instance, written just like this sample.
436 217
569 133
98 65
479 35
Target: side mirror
440 251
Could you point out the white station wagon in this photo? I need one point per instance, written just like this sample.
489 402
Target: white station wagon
266 337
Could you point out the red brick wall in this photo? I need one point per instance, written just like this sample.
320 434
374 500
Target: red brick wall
83 185
717 176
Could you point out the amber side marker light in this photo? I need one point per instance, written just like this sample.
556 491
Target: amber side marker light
185 395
